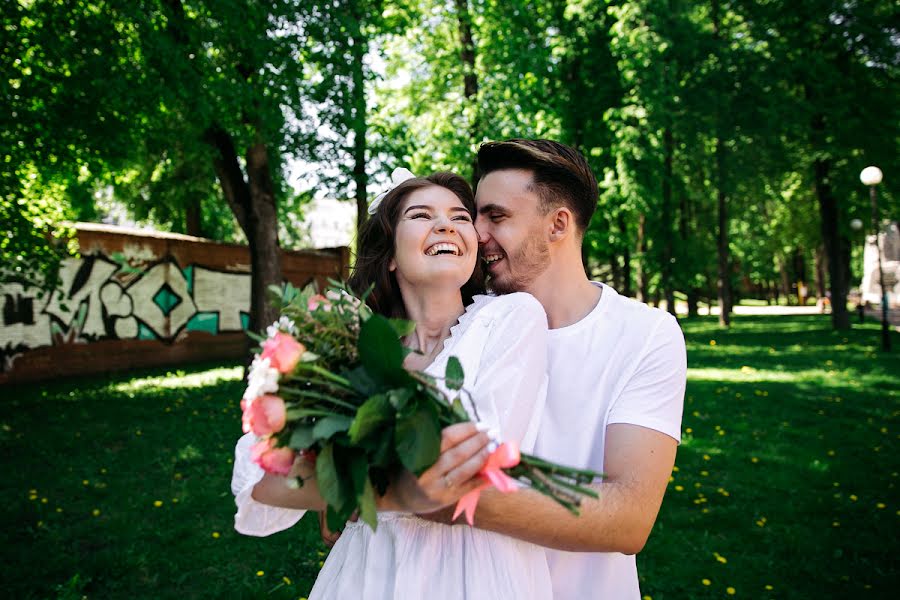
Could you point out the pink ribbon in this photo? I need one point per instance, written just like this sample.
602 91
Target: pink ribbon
507 455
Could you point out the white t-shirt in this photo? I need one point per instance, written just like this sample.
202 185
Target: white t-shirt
623 363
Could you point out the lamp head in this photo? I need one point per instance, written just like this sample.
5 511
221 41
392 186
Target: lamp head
870 176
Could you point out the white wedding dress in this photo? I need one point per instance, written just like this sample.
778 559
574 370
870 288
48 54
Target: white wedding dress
501 343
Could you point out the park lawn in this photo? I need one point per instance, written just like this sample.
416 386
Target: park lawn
118 486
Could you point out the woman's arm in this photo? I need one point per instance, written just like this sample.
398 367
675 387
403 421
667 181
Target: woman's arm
254 517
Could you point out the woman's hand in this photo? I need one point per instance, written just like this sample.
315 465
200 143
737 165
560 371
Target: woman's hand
464 450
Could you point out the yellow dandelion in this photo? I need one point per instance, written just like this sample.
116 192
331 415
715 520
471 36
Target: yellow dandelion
58 509
721 432
85 482
216 534
679 488
32 497
157 503
103 470
704 473
40 523
706 457
286 580
881 505
689 430
34 492
769 588
831 453
730 591
721 559
671 479
853 497
174 500
96 512
836 524
836 484
697 484
706 582
260 573
43 501
712 342
675 468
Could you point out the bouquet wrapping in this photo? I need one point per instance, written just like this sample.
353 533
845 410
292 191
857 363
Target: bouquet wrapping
328 385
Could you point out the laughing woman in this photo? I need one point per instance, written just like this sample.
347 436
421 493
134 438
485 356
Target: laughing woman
419 251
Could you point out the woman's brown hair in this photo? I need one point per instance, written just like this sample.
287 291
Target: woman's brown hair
375 246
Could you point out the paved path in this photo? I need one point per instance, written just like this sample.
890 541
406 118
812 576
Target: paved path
872 313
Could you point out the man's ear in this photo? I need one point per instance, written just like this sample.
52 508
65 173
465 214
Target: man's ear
562 224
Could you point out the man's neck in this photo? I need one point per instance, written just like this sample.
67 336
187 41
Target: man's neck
566 294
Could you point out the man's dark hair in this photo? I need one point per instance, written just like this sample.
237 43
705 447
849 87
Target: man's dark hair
561 174
375 246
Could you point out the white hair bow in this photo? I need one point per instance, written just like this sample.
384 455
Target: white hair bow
399 175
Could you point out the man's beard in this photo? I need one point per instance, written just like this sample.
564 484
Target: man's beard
530 261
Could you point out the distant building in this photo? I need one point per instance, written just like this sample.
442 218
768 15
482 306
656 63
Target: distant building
889 239
332 223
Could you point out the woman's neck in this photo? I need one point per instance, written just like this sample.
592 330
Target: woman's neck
434 311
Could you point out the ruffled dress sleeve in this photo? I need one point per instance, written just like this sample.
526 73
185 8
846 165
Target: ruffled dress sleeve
510 385
252 517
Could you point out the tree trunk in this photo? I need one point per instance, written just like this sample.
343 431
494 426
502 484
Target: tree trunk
358 108
193 222
626 258
820 265
616 272
668 288
835 245
693 302
470 79
262 237
724 280
785 280
640 276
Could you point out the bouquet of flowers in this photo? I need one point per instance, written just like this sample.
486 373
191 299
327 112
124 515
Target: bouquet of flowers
328 384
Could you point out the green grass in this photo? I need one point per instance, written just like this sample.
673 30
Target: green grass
789 429
788 469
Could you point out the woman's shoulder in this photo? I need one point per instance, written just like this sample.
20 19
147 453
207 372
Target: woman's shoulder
516 303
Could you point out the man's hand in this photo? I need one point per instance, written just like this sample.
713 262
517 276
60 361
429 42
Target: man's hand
464 449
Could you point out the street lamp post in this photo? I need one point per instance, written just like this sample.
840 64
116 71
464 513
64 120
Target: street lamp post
857 225
871 176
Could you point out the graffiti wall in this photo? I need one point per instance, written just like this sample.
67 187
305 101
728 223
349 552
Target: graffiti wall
136 299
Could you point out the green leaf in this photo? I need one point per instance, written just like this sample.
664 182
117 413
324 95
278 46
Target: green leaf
373 413
399 397
333 490
302 437
418 438
367 510
402 327
454 376
328 426
380 350
361 381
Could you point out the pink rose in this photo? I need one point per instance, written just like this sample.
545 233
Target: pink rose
318 300
283 352
277 461
264 415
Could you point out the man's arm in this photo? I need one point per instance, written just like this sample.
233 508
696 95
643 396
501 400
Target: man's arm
638 463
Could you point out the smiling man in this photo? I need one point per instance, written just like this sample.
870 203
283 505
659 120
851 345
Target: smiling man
617 372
